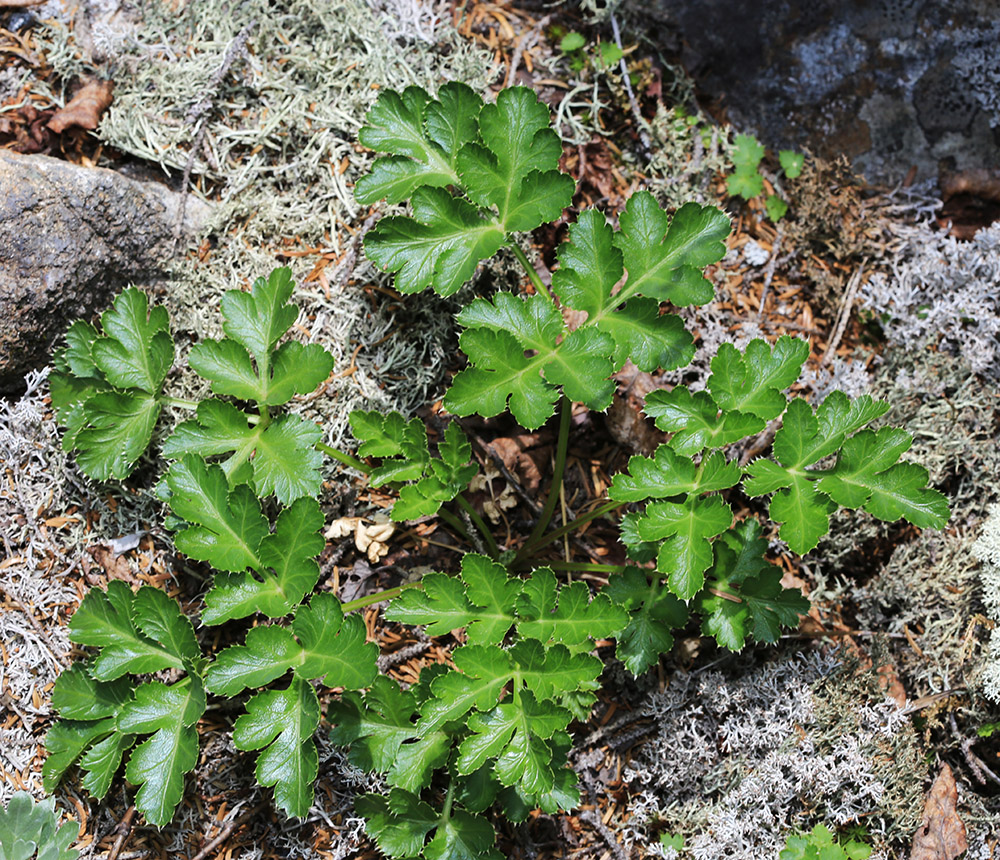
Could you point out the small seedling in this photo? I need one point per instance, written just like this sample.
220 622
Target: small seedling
746 180
821 844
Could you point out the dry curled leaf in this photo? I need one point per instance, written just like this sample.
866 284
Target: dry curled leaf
114 565
84 109
499 495
371 538
941 835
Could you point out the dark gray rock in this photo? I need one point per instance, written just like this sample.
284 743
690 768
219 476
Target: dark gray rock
892 84
70 237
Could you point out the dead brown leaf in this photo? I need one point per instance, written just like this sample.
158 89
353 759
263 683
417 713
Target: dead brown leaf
941 835
85 108
512 452
114 566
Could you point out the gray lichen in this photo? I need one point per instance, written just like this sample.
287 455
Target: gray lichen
741 756
987 550
942 291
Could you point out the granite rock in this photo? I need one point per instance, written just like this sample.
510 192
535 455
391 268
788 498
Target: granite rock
70 237
892 84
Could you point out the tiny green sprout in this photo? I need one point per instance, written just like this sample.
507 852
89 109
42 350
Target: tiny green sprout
610 54
675 841
748 152
746 183
572 42
821 844
791 162
776 207
987 730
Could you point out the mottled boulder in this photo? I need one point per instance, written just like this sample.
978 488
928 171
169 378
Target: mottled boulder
70 237
892 84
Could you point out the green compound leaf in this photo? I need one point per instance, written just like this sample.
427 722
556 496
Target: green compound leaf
664 258
102 761
406 450
258 319
866 475
227 527
439 247
440 603
686 530
514 169
488 603
282 454
503 156
391 436
481 601
77 695
498 335
105 388
653 612
400 822
776 207
463 837
282 724
27 827
554 672
745 597
696 422
668 473
754 381
228 530
821 844
325 645
160 618
515 734
254 322
294 368
77 357
267 654
167 713
283 572
158 764
111 621
590 266
379 729
116 430
568 616
746 182
424 137
137 349
66 741
482 672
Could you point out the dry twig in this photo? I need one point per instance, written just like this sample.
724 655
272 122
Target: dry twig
227 831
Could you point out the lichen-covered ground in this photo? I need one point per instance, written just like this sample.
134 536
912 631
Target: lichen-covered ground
847 721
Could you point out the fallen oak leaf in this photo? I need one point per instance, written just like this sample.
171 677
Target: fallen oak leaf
941 835
84 109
